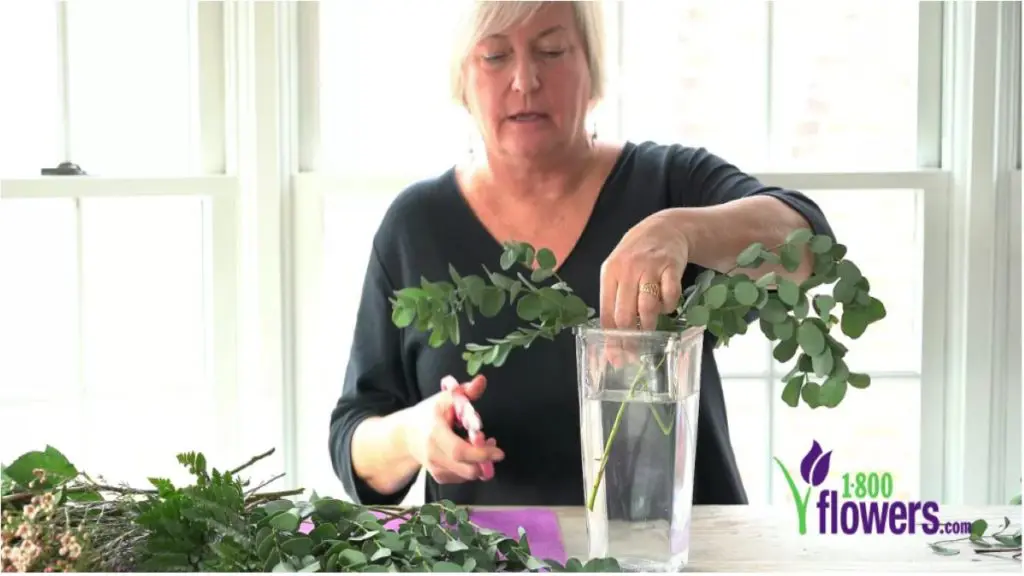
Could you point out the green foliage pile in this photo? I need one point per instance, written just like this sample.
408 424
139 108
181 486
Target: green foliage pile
217 524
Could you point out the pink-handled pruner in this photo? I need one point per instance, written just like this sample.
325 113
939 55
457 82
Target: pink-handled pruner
468 418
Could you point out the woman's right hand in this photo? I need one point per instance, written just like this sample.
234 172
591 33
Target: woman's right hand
432 442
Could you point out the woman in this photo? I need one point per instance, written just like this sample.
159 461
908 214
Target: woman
630 225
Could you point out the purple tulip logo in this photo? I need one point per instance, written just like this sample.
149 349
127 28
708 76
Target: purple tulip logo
814 466
813 469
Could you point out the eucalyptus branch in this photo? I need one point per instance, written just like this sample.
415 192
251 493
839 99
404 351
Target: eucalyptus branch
794 317
998 542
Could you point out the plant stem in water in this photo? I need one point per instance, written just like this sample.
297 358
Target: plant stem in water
615 430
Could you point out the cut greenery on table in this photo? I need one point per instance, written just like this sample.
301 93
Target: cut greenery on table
1002 541
794 317
57 518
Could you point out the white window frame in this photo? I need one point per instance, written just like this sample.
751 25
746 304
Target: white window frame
963 99
212 181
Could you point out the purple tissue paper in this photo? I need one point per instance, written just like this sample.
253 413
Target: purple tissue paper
541 525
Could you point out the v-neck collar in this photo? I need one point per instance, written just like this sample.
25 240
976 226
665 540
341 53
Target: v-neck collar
595 212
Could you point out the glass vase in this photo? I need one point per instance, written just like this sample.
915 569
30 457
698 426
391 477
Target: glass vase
639 393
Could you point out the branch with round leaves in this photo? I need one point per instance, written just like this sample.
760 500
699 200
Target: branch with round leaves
435 306
798 321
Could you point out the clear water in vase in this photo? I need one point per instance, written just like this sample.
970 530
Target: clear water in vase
639 394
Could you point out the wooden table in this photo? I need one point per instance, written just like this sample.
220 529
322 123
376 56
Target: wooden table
765 539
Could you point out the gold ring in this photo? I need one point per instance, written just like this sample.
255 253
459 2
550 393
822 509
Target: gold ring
651 288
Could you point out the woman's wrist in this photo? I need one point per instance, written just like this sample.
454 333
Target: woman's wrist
381 454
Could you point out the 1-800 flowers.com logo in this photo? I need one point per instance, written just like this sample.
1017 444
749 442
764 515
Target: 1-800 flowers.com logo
863 505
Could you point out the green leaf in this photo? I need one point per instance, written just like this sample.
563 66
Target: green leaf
773 311
943 550
751 256
768 280
1008 540
455 546
791 257
788 292
508 259
858 380
854 322
323 532
716 296
475 287
501 281
351 557
848 271
823 304
492 301
823 363
529 307
844 291
445 566
56 466
838 252
438 337
811 393
821 244
698 315
784 330
402 316
297 546
832 392
811 338
799 236
791 393
575 309
874 310
746 293
286 521
978 528
540 274
1016 500
546 259
330 509
802 308
785 350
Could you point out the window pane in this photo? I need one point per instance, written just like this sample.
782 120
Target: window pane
747 402
146 334
29 102
844 85
384 89
131 86
874 430
28 426
350 220
713 92
894 264
38 300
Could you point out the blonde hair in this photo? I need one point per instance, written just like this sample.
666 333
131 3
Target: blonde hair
485 17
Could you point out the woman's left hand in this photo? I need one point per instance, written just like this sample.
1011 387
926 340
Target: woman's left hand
643 275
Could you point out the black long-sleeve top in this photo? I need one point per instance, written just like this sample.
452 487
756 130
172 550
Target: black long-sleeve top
531 406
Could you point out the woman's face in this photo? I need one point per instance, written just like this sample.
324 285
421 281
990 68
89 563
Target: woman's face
528 88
